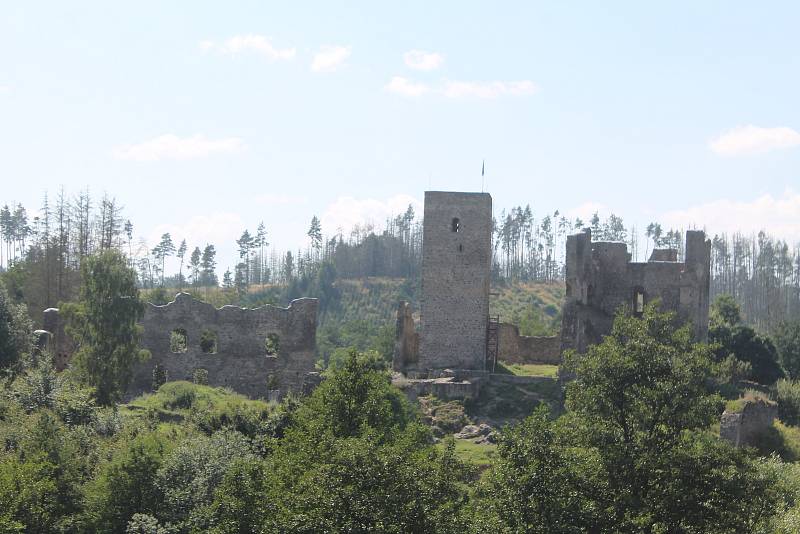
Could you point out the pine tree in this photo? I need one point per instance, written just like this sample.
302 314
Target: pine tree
165 249
315 234
245 244
208 264
181 254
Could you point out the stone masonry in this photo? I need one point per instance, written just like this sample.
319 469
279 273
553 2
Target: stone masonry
456 264
256 352
600 278
406 345
515 348
743 429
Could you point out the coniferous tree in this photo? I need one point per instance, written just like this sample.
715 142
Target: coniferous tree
194 266
181 253
208 265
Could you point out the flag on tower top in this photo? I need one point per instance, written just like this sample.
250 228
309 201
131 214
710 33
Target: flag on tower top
483 167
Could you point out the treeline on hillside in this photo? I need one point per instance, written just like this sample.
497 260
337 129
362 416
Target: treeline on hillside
44 252
761 273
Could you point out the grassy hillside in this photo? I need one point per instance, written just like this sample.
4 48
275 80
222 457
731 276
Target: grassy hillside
374 300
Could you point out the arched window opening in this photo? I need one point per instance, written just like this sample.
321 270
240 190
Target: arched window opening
455 225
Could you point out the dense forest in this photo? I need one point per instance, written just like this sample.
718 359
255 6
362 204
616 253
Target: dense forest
42 250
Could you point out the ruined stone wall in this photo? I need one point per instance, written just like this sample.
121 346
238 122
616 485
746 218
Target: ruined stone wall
406 345
742 429
60 344
514 348
600 278
239 360
456 264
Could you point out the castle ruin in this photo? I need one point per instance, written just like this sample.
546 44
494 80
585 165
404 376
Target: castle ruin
601 278
262 352
456 331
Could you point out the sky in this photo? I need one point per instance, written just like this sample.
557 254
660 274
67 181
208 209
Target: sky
205 118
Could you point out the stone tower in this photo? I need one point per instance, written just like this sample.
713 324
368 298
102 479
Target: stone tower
456 265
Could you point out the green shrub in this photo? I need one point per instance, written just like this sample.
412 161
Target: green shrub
788 401
180 395
160 376
74 404
200 377
126 485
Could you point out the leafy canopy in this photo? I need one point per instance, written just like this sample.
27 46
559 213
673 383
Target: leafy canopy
104 324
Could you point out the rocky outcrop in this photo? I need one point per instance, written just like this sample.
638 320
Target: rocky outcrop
743 428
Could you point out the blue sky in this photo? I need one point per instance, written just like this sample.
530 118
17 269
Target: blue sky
205 118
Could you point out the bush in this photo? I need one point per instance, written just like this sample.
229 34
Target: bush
144 524
787 341
16 330
160 376
74 404
180 395
788 392
126 485
191 473
107 422
200 377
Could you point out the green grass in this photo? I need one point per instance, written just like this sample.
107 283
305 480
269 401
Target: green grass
534 307
790 440
532 369
479 455
750 395
177 400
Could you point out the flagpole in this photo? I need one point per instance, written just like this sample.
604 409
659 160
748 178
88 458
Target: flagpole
483 169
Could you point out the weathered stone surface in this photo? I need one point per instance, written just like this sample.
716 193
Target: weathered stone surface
514 348
406 345
664 254
238 358
241 361
600 278
442 388
456 264
742 429
60 345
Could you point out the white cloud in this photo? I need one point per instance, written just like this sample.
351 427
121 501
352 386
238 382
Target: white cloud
460 89
170 146
421 60
346 212
257 44
280 200
330 58
778 216
405 87
749 140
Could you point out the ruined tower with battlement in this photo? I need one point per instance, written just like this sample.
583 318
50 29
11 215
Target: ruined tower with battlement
601 278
